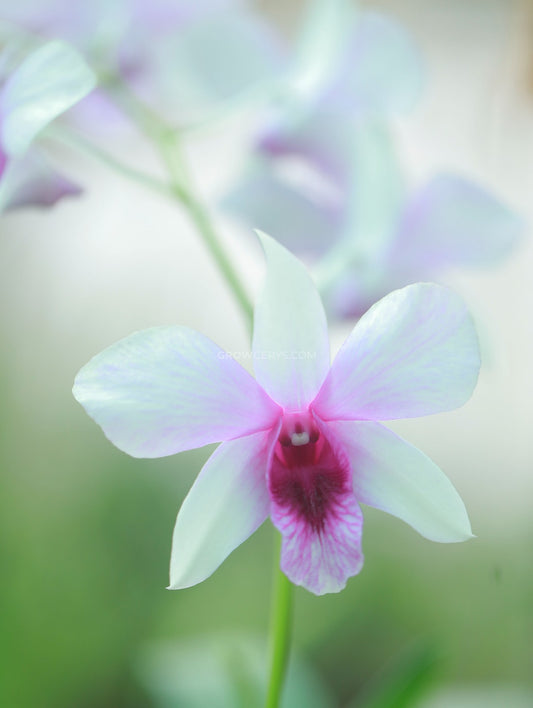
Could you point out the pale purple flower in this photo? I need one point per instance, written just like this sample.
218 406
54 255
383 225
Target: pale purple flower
300 442
448 222
178 54
349 68
221 59
323 143
106 23
34 92
366 68
325 178
366 236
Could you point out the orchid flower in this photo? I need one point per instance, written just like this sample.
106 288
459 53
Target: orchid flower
220 62
325 178
301 442
448 222
369 237
105 23
349 67
43 86
182 54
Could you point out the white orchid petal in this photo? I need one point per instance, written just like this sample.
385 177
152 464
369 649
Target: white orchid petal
414 353
392 475
226 504
290 343
168 389
47 83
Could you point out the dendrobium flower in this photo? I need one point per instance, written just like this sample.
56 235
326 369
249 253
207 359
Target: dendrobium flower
300 443
448 222
105 25
325 178
182 54
45 84
350 68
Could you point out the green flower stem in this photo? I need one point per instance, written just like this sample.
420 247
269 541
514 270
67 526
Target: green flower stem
174 190
280 634
166 140
73 139
169 149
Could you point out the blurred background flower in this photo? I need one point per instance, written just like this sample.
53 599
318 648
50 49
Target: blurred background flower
36 88
86 530
184 56
325 177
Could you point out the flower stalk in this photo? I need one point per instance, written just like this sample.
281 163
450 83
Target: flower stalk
166 140
170 151
280 635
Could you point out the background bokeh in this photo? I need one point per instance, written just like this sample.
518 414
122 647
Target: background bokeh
85 530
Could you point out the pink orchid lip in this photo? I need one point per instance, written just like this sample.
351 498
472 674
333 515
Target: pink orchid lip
313 505
306 475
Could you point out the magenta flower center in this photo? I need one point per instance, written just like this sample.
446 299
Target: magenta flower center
307 478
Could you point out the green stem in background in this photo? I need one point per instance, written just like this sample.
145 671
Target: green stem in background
166 140
169 149
280 635
79 142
